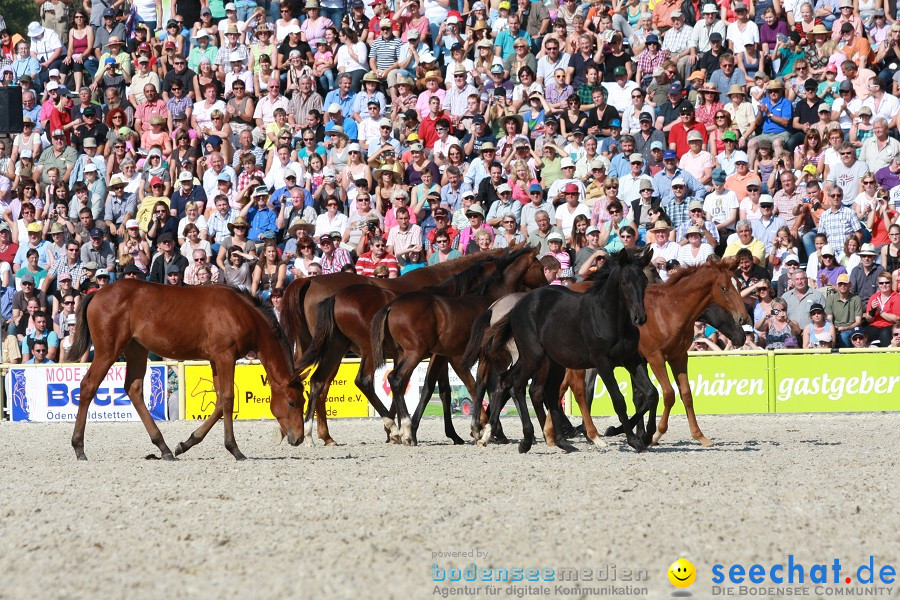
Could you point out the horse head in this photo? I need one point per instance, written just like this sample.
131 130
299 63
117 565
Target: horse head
287 407
724 289
724 322
633 283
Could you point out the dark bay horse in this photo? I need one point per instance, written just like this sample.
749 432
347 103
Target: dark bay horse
423 323
215 323
343 324
303 296
555 329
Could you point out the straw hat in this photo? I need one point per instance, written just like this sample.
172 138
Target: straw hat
436 75
392 169
819 30
775 84
298 224
736 89
371 76
660 225
517 118
239 222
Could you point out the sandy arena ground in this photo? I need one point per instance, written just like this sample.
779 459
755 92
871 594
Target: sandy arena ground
363 519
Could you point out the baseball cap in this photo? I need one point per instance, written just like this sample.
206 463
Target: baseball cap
504 188
646 184
564 163
695 205
729 135
645 116
570 188
102 273
555 237
27 278
657 145
535 188
675 87
637 157
678 181
670 155
816 307
791 258
826 250
96 232
843 278
65 275
719 176
740 156
857 332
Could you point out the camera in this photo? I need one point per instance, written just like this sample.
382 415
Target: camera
372 226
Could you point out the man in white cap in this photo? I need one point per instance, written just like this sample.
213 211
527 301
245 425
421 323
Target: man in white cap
504 207
709 24
47 47
568 176
119 208
630 184
336 118
232 48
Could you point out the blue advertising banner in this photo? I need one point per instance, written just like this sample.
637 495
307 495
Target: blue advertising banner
48 393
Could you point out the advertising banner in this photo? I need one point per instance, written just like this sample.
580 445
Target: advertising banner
720 383
51 393
851 382
252 394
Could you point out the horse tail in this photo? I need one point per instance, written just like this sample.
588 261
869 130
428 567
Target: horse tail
476 336
378 333
493 346
293 321
323 335
81 341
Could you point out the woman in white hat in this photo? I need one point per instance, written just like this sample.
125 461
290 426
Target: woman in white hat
134 249
695 252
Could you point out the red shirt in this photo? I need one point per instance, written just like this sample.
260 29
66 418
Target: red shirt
451 231
365 266
891 305
678 136
427 133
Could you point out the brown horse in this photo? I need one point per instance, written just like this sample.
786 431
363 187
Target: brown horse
214 323
303 296
423 323
342 323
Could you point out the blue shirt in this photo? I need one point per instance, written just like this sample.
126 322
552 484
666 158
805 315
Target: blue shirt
662 183
505 41
783 109
260 221
346 102
349 126
43 250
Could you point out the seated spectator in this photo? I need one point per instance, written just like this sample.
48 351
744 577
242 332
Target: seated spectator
820 333
882 312
378 255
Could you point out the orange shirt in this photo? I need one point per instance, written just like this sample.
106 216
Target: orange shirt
662 13
738 184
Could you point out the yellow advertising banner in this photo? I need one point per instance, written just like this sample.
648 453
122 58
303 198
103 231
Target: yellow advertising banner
252 394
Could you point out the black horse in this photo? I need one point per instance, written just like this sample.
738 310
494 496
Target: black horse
555 328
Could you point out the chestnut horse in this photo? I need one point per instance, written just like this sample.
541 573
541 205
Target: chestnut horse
215 323
423 323
343 323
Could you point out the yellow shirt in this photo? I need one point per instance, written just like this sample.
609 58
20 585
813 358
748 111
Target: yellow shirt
145 210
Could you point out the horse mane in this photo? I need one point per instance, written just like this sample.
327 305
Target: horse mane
462 281
681 272
268 313
502 263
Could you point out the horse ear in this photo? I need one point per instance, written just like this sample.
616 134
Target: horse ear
729 263
536 250
645 257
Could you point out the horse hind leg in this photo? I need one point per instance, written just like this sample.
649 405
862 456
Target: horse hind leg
226 401
446 402
135 370
550 393
365 381
88 389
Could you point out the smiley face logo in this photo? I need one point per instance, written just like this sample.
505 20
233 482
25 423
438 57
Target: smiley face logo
682 573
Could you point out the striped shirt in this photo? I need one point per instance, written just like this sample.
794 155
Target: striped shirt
385 52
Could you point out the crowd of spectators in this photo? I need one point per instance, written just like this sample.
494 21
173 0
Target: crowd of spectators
250 143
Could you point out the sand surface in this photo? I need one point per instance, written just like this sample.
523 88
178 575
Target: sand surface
364 519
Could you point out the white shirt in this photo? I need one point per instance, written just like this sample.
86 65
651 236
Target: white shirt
343 58
47 45
620 97
739 38
545 68
719 208
560 184
565 217
887 108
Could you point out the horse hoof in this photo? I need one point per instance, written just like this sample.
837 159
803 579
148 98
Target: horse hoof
308 442
566 446
457 441
598 442
656 437
524 446
168 456
152 457
501 439
480 443
705 441
647 439
239 456
636 444
330 442
611 431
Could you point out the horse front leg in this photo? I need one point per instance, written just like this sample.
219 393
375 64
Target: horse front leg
574 380
687 398
668 393
618 400
201 432
135 370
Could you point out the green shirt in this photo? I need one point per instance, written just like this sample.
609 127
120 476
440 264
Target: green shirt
843 312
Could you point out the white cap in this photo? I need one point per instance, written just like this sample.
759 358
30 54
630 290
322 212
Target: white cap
201 33
555 237
739 156
710 8
678 181
354 147
185 176
90 168
334 107
827 250
235 57
51 85
132 224
566 162
503 187
53 73
328 172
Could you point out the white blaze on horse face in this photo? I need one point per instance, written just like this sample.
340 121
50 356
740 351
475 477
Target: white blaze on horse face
278 435
737 286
